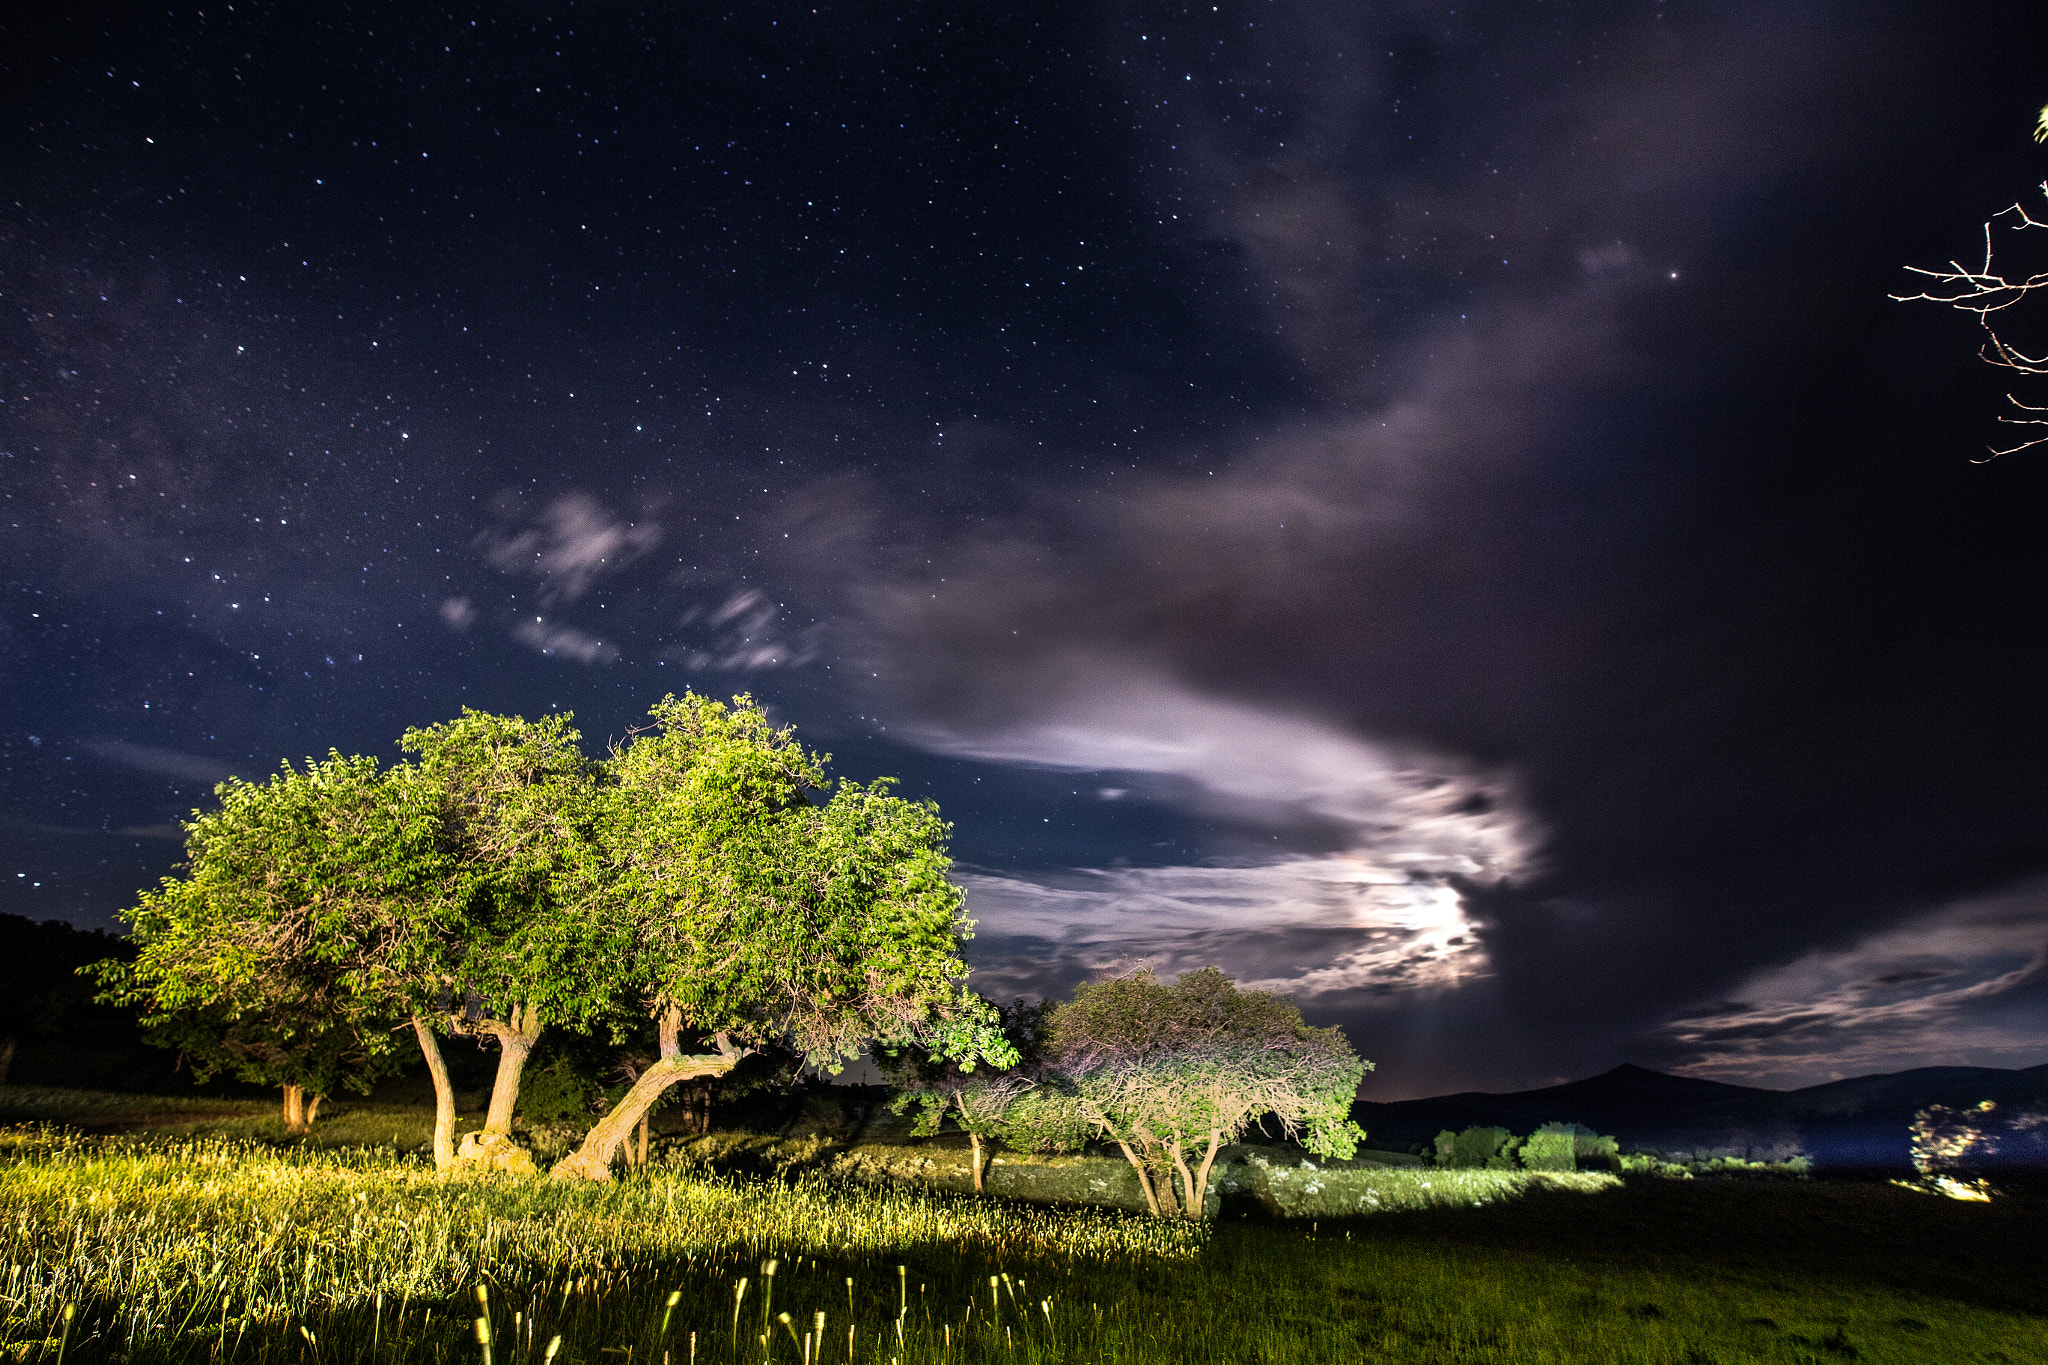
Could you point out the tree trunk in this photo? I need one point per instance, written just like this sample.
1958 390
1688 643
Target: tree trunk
516 1037
1190 1206
444 1096
6 1058
294 1109
974 1142
697 1104
1202 1173
1144 1180
313 1111
593 1160
1169 1193
643 1138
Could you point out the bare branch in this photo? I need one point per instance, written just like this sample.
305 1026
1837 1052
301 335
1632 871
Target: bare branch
1984 291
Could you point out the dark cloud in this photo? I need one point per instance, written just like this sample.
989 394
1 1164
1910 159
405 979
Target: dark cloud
1523 538
1432 510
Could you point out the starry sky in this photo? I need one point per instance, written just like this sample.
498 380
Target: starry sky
1428 507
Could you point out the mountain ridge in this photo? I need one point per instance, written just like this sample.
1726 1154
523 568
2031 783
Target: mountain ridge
1856 1123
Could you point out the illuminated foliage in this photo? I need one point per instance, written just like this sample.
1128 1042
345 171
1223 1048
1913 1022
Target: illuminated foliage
1172 1073
270 958
501 884
487 947
735 901
985 1104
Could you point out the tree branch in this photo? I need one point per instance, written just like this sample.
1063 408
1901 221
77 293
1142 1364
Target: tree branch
1984 291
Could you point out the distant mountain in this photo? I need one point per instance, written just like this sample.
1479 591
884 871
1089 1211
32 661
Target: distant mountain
1858 1123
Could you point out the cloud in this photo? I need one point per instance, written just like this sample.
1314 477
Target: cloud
171 833
1481 602
1419 814
565 642
164 762
458 612
743 633
569 546
1963 985
1300 926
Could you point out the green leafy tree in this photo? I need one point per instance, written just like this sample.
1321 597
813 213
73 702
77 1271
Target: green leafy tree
982 1102
739 905
263 959
1172 1073
488 949
325 908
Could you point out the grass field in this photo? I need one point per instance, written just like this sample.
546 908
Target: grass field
224 1249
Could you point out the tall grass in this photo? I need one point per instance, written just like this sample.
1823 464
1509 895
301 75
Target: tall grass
156 1242
222 1251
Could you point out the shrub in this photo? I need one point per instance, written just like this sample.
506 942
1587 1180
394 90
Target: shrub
1302 1189
1594 1151
1477 1149
1648 1163
557 1094
1553 1147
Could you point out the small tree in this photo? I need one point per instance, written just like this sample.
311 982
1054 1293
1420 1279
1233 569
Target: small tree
736 907
982 1102
256 960
1171 1073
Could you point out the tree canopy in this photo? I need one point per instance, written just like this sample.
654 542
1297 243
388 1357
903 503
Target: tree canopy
1172 1073
705 874
269 957
741 902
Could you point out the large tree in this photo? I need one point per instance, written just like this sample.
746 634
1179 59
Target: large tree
266 958
1172 1073
488 950
331 905
739 903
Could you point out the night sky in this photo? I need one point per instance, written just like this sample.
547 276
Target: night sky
1427 507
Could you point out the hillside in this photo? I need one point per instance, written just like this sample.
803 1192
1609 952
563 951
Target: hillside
1856 1123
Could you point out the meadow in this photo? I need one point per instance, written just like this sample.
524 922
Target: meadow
238 1247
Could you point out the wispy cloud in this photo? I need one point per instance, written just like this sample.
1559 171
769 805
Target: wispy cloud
566 642
164 762
169 833
741 634
1963 985
568 546
1303 926
1419 814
